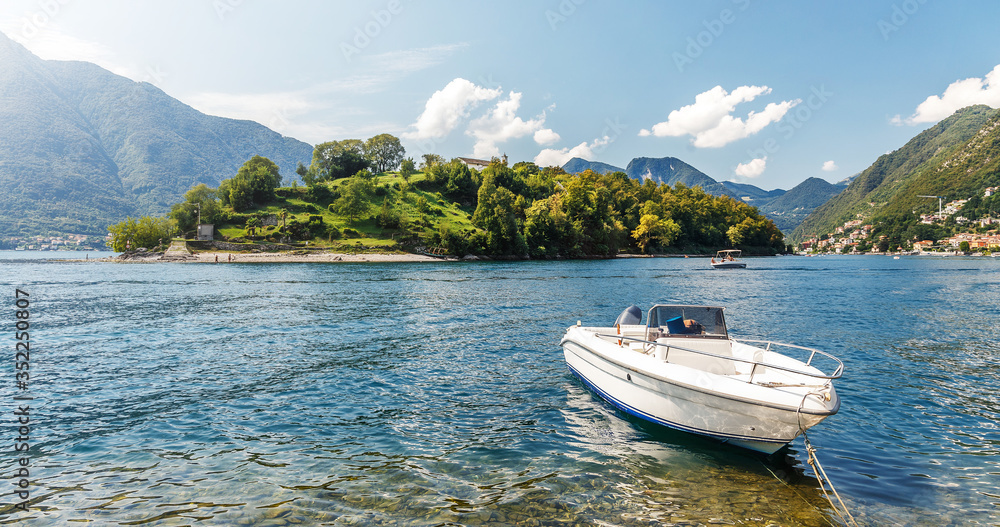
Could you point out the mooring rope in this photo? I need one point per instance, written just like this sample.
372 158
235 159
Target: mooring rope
824 480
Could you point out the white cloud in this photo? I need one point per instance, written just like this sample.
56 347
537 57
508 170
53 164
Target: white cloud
448 107
710 121
502 124
550 157
306 113
829 166
546 136
958 95
752 169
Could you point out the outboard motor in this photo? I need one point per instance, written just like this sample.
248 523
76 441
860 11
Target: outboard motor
630 317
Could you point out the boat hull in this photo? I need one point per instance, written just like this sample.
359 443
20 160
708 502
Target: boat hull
730 265
692 401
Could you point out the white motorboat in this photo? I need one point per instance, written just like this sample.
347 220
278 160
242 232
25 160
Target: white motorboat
682 370
729 259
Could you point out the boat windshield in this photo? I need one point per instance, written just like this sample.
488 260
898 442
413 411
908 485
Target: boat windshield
688 320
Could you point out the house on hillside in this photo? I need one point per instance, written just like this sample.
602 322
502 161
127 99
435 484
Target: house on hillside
479 164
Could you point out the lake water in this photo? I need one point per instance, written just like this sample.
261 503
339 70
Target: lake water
437 394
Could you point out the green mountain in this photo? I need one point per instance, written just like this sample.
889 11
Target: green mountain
790 208
577 165
957 158
751 194
81 148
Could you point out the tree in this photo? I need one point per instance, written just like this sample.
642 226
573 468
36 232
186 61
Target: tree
355 196
653 230
147 232
384 152
546 228
263 176
430 160
253 184
253 223
406 169
335 160
495 214
240 194
199 200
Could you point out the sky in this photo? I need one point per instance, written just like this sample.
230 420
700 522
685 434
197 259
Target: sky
765 93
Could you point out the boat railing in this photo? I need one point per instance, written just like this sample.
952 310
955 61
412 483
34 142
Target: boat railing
768 345
754 363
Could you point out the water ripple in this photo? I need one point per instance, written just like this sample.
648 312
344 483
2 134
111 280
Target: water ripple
437 395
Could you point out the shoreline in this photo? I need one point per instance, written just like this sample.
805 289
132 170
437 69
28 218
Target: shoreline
278 257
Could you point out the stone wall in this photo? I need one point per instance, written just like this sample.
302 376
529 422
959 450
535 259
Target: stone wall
237 247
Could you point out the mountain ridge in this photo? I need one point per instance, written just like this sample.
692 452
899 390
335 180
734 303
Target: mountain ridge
786 208
893 183
83 148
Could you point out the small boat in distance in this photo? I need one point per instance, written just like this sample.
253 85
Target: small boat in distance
683 371
729 259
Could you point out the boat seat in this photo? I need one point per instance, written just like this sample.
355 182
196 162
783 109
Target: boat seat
716 365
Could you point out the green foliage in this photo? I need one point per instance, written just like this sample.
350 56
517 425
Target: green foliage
199 200
254 184
355 196
956 158
429 160
319 193
653 230
459 183
334 160
406 169
517 211
496 215
147 232
384 152
253 223
390 216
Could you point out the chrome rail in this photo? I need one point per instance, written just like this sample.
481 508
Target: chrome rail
835 375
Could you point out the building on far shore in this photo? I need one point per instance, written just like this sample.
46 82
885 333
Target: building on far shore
206 232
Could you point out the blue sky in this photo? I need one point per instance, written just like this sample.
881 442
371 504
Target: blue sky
767 93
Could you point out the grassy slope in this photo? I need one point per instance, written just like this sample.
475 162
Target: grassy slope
418 225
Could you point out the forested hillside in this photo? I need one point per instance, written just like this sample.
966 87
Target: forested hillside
503 211
957 158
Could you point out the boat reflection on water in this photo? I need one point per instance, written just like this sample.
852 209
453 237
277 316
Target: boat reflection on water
670 476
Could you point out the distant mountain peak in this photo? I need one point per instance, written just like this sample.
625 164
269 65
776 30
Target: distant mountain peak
81 147
577 165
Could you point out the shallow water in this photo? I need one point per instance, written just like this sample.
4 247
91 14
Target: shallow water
436 394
